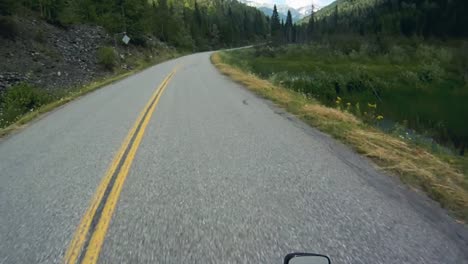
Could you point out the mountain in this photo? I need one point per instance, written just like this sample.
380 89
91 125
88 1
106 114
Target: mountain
440 19
304 11
267 8
344 5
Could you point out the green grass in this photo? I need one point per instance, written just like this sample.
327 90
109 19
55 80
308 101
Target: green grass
423 86
25 116
443 177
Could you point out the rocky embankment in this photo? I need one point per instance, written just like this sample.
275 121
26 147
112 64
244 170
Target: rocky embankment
51 57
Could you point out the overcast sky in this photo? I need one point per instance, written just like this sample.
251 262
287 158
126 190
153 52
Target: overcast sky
296 3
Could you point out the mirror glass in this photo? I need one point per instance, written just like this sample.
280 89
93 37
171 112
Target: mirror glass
309 260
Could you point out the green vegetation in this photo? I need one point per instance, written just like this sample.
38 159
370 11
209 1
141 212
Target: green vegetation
107 57
20 99
398 85
443 177
185 24
428 18
422 18
420 86
22 103
387 77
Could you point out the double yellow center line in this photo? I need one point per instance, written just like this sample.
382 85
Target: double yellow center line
89 237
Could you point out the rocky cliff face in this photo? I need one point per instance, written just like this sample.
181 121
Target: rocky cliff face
51 57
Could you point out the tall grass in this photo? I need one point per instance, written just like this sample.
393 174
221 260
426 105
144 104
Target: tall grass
20 99
421 86
442 177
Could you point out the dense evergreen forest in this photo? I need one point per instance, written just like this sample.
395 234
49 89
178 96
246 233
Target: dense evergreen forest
386 41
185 24
209 24
424 18
428 18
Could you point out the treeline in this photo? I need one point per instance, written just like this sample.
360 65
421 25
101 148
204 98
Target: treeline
285 31
186 24
422 18
427 18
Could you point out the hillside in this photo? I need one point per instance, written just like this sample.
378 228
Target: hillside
34 34
435 18
51 57
49 48
344 5
297 13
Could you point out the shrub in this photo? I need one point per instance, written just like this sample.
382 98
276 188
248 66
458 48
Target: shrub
8 27
444 55
410 77
366 49
430 72
265 51
107 57
20 99
397 54
426 53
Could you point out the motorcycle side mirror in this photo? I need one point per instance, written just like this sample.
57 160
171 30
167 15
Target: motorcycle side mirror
306 258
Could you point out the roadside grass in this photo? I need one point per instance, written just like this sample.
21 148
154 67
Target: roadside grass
416 86
24 119
444 179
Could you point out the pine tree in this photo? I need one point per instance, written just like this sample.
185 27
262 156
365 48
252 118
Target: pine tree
189 24
311 25
288 27
335 19
275 25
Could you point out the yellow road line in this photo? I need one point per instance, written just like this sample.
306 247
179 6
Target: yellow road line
79 240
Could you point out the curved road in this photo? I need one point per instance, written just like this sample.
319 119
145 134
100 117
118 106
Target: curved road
214 175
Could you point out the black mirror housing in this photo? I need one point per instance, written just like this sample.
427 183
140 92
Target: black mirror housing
306 258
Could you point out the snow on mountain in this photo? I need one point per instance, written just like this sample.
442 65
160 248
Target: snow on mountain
305 10
267 8
256 4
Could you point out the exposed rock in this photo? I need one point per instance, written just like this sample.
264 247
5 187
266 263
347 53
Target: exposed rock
60 59
10 78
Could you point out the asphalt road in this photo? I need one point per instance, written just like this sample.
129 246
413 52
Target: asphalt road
220 176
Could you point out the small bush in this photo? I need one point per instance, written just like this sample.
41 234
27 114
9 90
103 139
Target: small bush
397 54
265 51
444 55
8 27
366 49
107 57
18 100
410 77
430 72
426 53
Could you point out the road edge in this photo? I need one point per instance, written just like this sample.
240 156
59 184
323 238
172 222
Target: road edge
29 118
345 128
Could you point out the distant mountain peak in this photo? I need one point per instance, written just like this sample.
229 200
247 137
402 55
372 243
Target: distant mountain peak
267 8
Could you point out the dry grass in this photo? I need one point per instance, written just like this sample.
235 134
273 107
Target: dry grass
327 113
414 165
